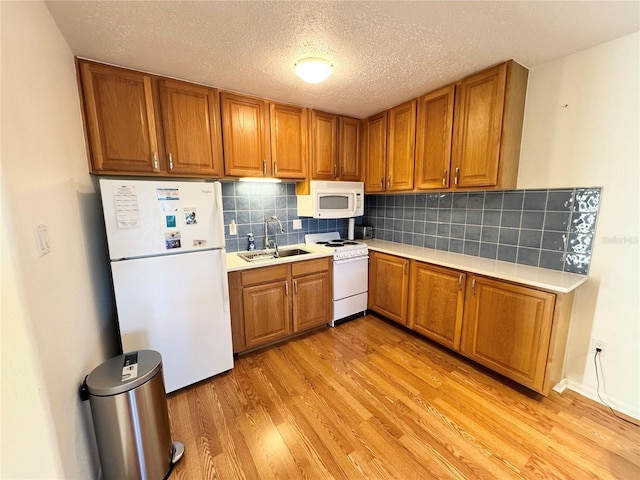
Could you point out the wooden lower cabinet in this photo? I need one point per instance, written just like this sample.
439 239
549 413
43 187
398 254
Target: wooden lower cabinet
515 330
310 306
436 300
269 304
266 313
508 329
389 285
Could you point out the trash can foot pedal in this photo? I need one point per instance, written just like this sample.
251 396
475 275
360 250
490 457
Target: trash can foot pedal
178 450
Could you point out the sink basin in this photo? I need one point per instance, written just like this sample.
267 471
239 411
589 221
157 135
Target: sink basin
291 252
261 255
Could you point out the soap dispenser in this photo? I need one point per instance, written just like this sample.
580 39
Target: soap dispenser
252 243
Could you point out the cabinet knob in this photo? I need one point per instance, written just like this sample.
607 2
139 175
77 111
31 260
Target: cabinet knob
170 161
444 178
275 169
473 286
295 286
460 282
389 183
456 176
286 288
155 160
335 170
264 168
382 183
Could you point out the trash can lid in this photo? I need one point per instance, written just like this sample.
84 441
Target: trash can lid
124 372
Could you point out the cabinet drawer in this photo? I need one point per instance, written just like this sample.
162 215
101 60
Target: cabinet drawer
310 266
264 275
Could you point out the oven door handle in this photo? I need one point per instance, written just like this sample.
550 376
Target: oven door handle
352 259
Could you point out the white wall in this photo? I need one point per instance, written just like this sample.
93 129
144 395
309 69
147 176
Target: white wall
62 314
582 129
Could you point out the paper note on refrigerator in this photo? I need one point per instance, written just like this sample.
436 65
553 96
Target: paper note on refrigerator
126 199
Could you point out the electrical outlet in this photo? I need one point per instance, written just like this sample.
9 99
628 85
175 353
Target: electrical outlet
297 224
597 343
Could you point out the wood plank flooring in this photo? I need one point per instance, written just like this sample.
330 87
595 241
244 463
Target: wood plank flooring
368 400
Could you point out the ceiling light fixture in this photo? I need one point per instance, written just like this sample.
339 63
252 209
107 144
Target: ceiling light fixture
313 69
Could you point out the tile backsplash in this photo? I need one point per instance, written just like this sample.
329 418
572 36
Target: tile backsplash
551 228
250 204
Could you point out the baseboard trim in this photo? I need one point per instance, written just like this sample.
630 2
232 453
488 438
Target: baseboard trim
624 408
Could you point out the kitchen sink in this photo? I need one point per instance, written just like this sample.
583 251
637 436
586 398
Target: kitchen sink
261 255
291 252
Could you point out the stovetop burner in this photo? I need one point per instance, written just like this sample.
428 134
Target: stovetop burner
333 240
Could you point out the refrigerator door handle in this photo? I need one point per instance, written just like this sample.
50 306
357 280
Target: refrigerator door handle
224 282
219 215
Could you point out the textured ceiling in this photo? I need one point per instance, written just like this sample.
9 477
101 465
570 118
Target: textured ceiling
383 52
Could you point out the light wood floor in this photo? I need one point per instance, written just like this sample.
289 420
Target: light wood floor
367 400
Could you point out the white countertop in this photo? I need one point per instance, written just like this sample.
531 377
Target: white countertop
551 280
234 262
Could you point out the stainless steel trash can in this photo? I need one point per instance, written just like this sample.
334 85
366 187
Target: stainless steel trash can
131 419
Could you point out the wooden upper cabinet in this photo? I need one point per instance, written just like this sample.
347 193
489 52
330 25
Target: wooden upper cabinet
349 149
375 153
436 302
324 146
289 140
246 140
191 126
489 111
433 139
508 329
120 118
389 285
401 146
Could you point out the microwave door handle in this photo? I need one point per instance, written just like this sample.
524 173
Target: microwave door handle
355 203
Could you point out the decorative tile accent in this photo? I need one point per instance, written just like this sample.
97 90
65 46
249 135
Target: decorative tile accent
548 228
250 204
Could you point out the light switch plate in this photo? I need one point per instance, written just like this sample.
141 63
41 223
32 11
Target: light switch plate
42 239
297 224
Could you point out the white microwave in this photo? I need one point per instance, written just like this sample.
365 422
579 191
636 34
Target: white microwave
332 200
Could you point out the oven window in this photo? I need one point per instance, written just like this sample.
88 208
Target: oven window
333 202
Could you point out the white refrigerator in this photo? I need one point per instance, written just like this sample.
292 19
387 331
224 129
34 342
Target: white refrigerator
166 245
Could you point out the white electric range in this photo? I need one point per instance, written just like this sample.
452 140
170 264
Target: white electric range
350 273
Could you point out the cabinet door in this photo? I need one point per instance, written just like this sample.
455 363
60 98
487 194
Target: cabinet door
401 147
191 121
436 302
289 140
433 139
120 118
375 145
311 301
478 128
266 313
508 328
389 285
349 149
324 153
245 128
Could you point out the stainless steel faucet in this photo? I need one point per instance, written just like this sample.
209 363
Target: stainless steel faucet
267 242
